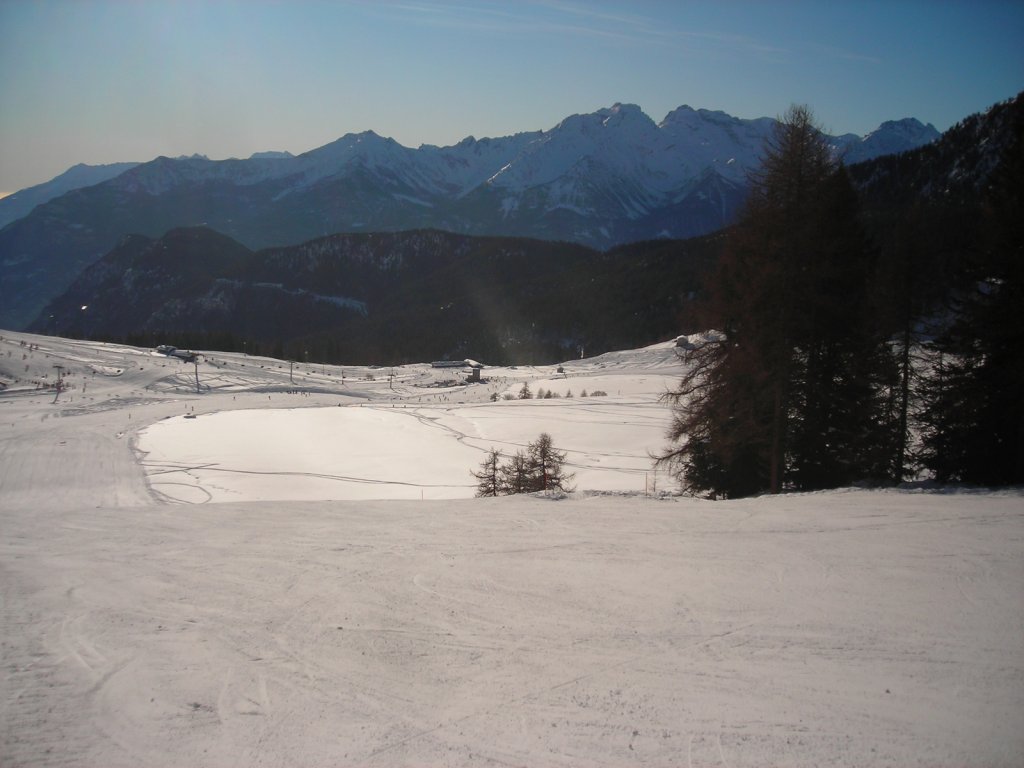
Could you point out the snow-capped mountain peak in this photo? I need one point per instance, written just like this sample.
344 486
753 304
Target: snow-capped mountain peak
620 113
889 138
908 127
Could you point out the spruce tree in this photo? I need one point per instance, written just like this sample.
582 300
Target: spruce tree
840 429
516 476
546 464
785 393
973 415
490 481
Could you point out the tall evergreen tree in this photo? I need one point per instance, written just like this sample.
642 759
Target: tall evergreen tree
489 477
546 466
784 394
973 416
516 476
841 429
924 245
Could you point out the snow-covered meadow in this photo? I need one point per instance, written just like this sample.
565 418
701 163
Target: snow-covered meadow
411 445
289 569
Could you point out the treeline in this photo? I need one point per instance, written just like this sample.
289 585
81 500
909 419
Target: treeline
842 331
386 298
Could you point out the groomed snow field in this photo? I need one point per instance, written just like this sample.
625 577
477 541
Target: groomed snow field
289 568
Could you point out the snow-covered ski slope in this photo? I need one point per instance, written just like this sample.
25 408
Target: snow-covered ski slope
298 576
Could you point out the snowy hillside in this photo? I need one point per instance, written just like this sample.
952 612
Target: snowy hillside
216 578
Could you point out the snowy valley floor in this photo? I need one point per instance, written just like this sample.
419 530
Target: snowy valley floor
274 583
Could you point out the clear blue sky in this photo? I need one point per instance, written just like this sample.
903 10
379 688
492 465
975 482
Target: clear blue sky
102 81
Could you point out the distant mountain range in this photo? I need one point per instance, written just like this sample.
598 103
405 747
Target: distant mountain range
610 177
430 294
